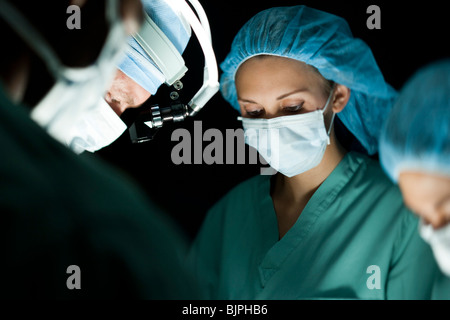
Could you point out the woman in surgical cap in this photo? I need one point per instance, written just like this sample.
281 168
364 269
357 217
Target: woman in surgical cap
415 152
329 224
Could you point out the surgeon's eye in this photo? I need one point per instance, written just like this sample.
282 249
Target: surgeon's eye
293 109
255 113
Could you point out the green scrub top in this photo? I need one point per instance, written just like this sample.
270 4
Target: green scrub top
441 290
353 240
59 210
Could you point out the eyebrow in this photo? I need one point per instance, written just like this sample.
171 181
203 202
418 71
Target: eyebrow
278 98
291 93
246 100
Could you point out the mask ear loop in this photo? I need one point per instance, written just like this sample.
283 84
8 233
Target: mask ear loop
334 114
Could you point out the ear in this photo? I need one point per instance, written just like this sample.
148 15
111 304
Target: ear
341 97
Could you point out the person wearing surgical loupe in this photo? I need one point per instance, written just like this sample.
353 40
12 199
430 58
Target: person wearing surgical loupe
415 153
137 78
152 57
73 227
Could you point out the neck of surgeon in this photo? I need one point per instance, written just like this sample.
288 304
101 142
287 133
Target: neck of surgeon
304 185
291 195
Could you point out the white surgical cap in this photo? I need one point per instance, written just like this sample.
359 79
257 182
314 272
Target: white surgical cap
324 41
416 135
137 64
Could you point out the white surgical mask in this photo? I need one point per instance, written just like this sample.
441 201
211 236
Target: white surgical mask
439 240
290 144
98 128
77 91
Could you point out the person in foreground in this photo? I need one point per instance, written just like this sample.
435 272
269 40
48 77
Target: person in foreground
329 224
73 227
415 152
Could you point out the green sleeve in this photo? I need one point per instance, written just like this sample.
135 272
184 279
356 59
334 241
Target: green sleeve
413 269
441 289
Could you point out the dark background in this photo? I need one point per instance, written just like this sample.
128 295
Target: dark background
412 34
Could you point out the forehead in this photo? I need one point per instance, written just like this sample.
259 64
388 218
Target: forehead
419 186
272 64
269 73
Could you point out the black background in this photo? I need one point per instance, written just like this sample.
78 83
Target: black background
412 34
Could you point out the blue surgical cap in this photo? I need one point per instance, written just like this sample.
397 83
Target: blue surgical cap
137 64
416 135
325 42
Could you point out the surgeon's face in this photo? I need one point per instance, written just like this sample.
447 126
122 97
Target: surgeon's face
428 195
270 86
125 93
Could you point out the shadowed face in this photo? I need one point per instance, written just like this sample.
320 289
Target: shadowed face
428 195
125 93
25 71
